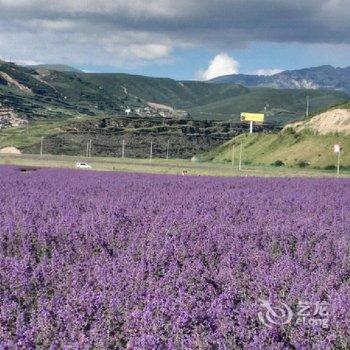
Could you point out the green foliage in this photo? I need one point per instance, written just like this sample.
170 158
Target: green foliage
307 150
330 167
278 163
302 164
284 105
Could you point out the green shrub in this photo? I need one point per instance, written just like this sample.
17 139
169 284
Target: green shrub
289 131
278 163
302 164
330 167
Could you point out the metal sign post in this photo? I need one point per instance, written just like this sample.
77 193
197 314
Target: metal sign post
41 146
240 157
150 152
167 149
233 156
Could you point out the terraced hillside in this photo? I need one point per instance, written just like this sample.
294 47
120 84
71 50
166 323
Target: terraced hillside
184 138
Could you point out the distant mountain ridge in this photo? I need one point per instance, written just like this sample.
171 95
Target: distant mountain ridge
57 67
323 77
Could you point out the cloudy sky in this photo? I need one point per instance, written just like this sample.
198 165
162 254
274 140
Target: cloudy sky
183 39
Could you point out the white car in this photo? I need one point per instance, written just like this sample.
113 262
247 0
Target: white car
81 165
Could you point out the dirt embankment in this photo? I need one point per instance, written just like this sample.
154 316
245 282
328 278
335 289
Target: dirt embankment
333 121
10 150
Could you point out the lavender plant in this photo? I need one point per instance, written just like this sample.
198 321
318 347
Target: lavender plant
92 260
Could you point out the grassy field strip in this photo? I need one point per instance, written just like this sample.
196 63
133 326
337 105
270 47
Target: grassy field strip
161 166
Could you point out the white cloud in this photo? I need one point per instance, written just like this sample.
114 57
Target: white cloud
146 52
54 25
221 64
150 51
80 31
270 71
138 46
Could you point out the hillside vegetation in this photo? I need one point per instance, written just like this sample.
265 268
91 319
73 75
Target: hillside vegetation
45 102
283 106
170 92
48 94
301 149
293 146
183 138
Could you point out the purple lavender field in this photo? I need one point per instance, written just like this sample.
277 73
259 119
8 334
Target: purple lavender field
92 260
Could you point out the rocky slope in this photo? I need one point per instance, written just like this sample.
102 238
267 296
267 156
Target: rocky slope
185 138
9 118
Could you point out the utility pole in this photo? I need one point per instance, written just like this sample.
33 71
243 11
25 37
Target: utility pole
90 146
41 146
87 150
123 149
240 157
167 150
233 156
251 127
307 105
337 151
151 151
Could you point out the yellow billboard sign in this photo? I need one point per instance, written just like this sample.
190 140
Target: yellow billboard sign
252 117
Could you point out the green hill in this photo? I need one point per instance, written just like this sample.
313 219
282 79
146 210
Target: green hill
48 102
50 94
288 147
185 94
283 106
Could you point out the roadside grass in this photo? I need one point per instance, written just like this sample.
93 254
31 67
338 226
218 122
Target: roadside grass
316 151
164 166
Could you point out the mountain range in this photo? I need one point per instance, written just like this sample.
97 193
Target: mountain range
323 77
51 92
68 108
